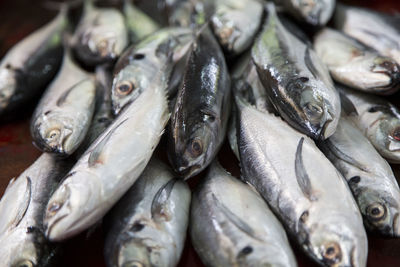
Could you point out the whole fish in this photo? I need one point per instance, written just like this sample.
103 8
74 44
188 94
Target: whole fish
22 239
31 64
297 83
369 176
101 35
136 67
304 189
377 30
110 165
377 119
238 228
62 117
236 22
148 225
356 65
313 12
198 124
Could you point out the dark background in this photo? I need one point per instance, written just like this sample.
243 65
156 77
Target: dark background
21 17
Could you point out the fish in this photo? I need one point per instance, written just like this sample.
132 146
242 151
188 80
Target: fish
110 166
62 117
372 28
22 239
235 23
301 186
101 35
147 227
198 124
355 65
377 118
297 83
136 67
369 176
187 13
313 12
235 229
31 64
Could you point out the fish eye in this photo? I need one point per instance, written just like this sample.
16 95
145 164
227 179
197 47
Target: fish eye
24 263
125 88
332 252
196 147
53 134
376 211
138 56
396 134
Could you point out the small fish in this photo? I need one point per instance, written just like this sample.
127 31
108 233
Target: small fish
377 119
22 240
369 176
62 117
374 29
356 65
110 165
235 228
31 64
198 124
101 35
147 227
297 83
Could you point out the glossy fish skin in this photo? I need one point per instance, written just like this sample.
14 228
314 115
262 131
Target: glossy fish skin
377 119
31 64
238 228
198 124
306 192
356 65
101 35
297 83
369 176
135 69
63 115
110 165
377 30
22 206
235 23
148 225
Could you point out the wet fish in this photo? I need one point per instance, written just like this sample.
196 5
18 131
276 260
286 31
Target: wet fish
378 120
136 67
297 83
148 225
101 35
199 123
306 192
31 64
369 176
356 65
377 30
62 117
236 22
22 206
235 229
110 165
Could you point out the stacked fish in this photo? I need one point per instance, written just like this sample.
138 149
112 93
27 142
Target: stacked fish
313 151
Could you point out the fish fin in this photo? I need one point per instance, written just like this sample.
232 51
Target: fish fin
309 63
343 156
25 203
63 98
301 174
159 208
347 106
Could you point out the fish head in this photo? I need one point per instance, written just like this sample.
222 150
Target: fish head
314 12
389 70
8 85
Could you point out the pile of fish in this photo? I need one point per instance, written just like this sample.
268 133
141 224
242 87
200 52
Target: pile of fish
300 109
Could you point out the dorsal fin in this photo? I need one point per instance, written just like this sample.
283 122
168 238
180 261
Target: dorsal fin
347 106
159 209
25 203
343 156
301 174
309 63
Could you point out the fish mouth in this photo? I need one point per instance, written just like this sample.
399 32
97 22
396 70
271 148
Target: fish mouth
189 171
325 131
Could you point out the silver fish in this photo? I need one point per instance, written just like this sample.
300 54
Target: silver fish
62 117
377 30
297 83
148 225
378 120
304 189
110 165
356 65
31 64
369 176
235 228
22 240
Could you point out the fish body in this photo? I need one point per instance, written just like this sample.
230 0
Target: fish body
198 124
297 83
148 225
356 65
235 229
